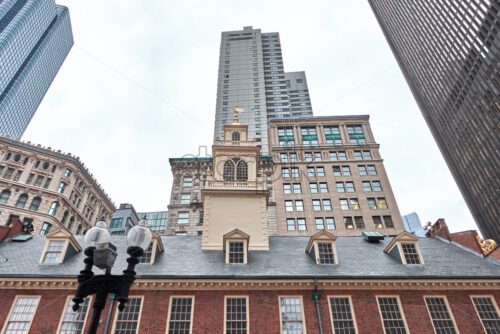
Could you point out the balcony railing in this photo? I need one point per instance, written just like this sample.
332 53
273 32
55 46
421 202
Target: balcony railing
236 142
236 185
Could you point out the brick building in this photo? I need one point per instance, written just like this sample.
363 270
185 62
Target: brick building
49 189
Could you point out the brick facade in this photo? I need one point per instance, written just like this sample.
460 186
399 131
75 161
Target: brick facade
263 309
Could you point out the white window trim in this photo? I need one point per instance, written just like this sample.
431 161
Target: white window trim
138 319
351 307
402 254
63 252
334 250
7 319
494 302
68 300
247 298
192 297
400 307
301 309
245 249
448 308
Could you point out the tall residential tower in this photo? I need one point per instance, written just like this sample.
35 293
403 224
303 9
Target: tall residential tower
449 52
35 37
251 76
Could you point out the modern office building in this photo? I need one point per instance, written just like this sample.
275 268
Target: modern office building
413 225
252 77
449 52
49 189
329 175
35 37
125 217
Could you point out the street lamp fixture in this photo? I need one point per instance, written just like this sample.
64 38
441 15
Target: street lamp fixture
102 254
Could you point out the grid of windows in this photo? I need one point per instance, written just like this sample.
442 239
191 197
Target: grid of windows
392 318
21 316
410 252
157 221
236 252
342 315
74 322
488 313
291 315
441 318
325 253
181 311
293 225
356 135
236 315
54 251
127 321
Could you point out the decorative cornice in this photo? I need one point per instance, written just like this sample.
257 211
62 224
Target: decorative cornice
299 284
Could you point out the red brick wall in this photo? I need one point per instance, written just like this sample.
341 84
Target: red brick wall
467 239
264 310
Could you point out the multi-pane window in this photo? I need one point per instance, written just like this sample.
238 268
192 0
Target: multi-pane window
292 321
362 170
392 318
342 156
330 223
236 315
320 171
18 175
21 315
344 204
30 178
320 224
314 188
67 172
116 223
348 223
316 204
388 222
367 155
311 172
45 228
47 183
74 322
293 157
358 155
284 157
148 254
9 172
309 136
356 135
287 188
295 172
377 221
410 252
382 203
350 187
354 204
21 201
54 251
346 171
185 199
290 224
488 313
332 135
336 171
340 187
325 253
183 218
372 170
359 222
372 204
308 156
127 321
327 205
61 188
296 188
286 138
285 172
377 186
299 205
440 315
342 315
323 188
367 186
180 315
236 252
317 156
38 181
187 182
288 205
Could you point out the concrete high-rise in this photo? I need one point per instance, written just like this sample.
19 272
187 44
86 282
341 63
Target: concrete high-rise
449 53
35 37
252 76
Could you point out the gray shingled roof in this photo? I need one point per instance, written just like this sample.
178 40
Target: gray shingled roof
183 258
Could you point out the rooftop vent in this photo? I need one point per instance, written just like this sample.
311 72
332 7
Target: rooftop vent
373 236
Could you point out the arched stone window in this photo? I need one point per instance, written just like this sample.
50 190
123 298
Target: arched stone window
4 196
64 217
35 203
229 170
79 229
71 221
236 136
242 171
21 201
53 208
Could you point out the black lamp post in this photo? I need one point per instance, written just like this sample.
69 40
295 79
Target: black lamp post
102 254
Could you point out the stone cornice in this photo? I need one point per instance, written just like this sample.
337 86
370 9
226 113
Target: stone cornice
299 284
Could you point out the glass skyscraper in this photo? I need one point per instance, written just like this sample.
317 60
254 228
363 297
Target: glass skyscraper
35 37
449 53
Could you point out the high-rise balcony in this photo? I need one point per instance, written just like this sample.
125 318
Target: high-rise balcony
235 142
214 184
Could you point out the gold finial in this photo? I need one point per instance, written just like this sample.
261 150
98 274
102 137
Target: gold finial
236 111
487 246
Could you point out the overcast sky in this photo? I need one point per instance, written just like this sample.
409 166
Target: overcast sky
139 87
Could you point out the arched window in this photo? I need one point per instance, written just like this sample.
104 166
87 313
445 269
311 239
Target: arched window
79 229
229 170
64 217
4 196
53 208
21 201
242 171
236 136
71 221
35 203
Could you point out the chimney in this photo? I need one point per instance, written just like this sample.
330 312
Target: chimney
440 229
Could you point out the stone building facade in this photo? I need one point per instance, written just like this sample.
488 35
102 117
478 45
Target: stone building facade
48 188
329 175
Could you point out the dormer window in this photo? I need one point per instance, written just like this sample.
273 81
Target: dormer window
59 246
236 247
155 247
404 247
322 248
